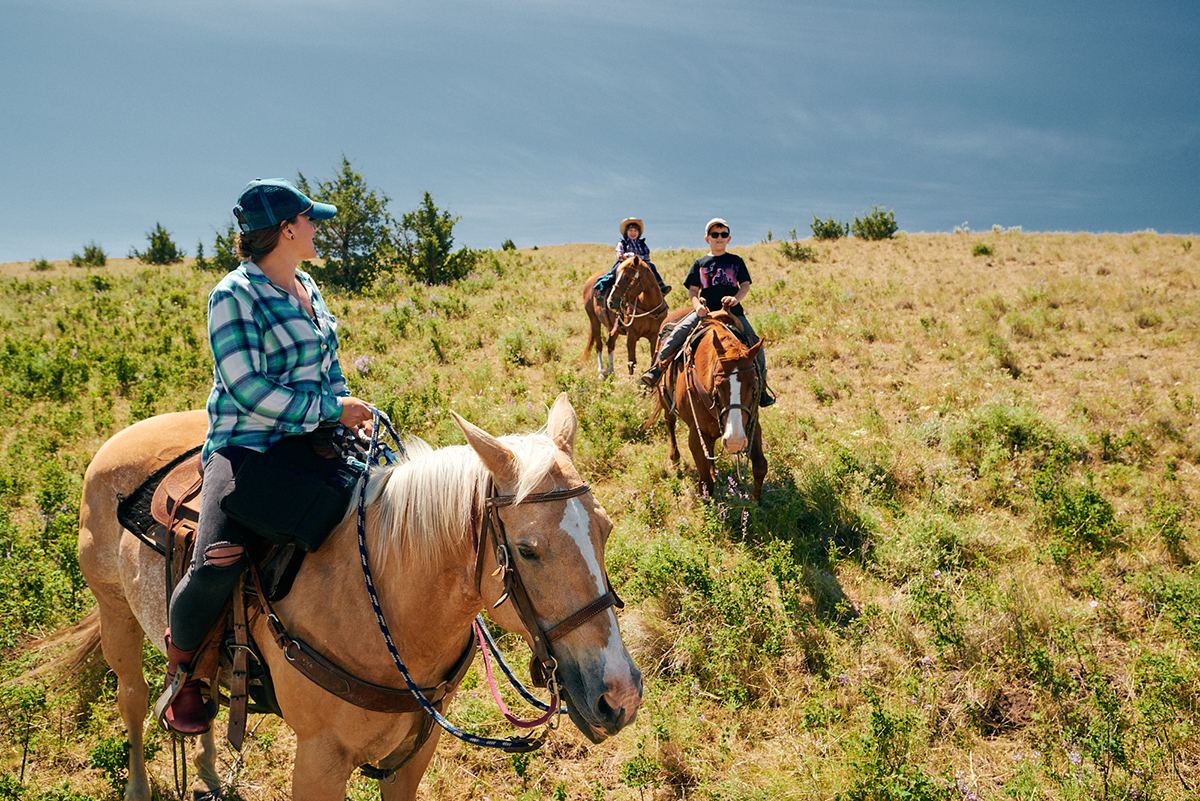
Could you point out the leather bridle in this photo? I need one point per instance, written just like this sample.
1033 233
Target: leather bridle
628 299
544 665
721 412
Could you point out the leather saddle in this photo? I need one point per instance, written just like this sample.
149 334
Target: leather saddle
164 513
174 508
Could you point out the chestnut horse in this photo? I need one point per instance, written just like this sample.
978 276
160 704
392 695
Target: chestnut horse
422 536
634 307
714 387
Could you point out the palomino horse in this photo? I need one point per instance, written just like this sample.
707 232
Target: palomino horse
422 523
634 306
714 389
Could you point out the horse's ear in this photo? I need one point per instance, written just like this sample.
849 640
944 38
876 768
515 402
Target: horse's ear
498 460
563 424
756 347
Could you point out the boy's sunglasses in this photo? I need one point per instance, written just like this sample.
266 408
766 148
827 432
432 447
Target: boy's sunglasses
719 234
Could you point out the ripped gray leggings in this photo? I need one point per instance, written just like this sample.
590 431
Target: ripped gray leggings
218 560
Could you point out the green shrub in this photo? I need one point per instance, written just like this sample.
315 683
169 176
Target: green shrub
161 250
426 242
1175 597
722 606
514 349
356 245
200 263
879 224
225 254
884 765
41 265
508 245
1000 430
794 251
1075 510
93 256
829 229
1003 353
827 525
797 252
982 249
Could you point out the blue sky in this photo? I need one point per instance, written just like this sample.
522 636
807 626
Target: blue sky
548 121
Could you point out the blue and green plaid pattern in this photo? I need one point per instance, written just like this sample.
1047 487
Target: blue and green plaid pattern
276 371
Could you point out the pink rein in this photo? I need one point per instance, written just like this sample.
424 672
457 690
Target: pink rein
487 667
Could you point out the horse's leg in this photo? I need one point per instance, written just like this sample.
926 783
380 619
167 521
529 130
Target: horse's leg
631 349
120 633
758 462
321 770
121 642
611 345
403 786
669 418
701 445
206 762
595 338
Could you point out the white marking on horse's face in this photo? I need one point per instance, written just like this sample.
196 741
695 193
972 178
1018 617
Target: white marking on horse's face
733 440
576 524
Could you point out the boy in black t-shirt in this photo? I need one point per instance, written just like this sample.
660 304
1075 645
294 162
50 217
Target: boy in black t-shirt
719 280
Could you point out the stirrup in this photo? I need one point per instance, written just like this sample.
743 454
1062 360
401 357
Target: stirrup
169 694
173 691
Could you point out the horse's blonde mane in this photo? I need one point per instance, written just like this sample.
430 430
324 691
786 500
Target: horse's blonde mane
424 505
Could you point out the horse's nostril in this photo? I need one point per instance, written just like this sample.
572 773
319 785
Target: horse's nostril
604 710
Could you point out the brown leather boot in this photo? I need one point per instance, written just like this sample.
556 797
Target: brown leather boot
185 711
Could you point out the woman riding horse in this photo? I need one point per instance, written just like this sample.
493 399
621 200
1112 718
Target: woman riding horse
276 376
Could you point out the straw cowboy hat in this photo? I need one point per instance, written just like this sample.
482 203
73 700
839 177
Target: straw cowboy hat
628 221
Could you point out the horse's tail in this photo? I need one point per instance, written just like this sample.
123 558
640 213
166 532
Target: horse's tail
593 323
82 641
592 341
658 407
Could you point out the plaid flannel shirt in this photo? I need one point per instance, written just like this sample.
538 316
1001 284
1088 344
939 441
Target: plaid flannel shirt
275 371
632 247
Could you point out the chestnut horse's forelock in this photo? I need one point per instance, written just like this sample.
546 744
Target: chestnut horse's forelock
733 352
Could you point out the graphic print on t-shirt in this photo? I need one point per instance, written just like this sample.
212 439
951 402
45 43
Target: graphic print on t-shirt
720 275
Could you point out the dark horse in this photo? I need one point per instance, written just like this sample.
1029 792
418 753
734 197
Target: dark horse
714 389
634 306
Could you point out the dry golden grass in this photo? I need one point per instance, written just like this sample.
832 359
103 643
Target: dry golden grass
892 352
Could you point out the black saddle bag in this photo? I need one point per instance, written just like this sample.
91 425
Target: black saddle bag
292 493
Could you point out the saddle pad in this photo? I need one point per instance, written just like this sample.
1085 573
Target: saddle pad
134 510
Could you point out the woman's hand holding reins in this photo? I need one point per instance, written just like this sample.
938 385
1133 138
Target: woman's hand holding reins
357 414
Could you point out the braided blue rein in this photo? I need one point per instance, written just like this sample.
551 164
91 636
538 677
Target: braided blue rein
515 744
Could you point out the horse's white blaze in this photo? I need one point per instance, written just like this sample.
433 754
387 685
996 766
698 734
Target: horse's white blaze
576 524
734 438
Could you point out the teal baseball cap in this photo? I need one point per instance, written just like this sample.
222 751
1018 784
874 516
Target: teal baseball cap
267 202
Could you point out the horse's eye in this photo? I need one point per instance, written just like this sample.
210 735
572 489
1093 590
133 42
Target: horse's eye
526 552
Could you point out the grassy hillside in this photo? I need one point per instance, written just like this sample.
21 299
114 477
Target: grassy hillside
972 575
